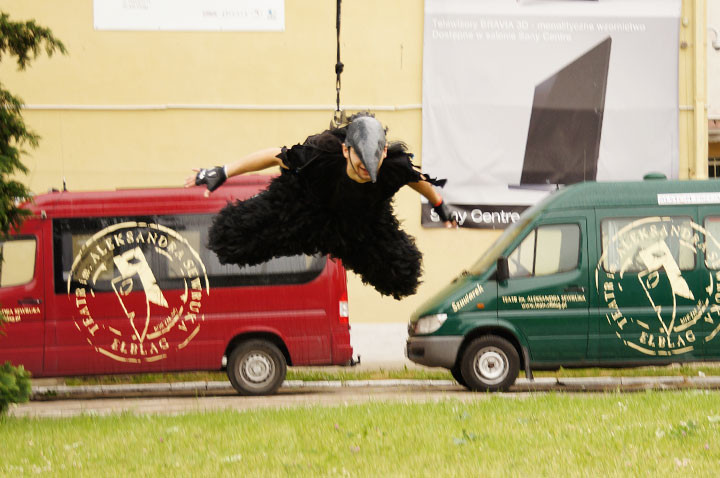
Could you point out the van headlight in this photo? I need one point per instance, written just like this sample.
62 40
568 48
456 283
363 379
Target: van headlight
429 323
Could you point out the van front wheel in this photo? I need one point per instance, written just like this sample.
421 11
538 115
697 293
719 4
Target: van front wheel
256 367
457 375
490 364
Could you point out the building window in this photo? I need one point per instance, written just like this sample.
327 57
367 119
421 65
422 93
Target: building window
714 167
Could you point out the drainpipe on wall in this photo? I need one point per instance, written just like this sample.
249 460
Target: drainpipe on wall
700 100
693 90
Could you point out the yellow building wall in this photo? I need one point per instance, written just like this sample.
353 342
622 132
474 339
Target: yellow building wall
140 109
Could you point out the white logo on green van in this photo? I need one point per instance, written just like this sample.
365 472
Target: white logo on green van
544 301
657 302
467 298
120 306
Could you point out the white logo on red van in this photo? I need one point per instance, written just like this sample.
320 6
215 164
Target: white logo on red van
115 284
16 314
649 265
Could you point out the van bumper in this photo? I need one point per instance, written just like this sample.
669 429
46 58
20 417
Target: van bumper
438 351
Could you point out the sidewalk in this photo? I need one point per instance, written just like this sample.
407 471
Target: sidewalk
541 384
196 389
188 398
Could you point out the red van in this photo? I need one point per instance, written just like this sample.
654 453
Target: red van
122 282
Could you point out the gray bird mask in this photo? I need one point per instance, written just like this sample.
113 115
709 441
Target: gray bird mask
367 137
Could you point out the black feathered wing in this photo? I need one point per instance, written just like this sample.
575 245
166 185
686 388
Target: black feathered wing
285 220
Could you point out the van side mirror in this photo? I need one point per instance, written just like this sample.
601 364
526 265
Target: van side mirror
503 271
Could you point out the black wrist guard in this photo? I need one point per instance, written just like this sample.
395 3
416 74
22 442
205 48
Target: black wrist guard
443 211
213 177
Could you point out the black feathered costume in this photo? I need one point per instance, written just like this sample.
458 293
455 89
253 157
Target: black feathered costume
314 207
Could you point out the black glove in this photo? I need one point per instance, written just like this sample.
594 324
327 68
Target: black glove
213 177
443 211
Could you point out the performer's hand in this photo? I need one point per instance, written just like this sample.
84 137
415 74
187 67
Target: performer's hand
445 216
213 178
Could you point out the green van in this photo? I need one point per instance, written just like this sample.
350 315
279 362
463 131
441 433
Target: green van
597 274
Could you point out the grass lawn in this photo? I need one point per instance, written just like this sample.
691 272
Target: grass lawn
666 433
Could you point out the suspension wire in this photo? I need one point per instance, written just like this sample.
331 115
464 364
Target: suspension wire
339 115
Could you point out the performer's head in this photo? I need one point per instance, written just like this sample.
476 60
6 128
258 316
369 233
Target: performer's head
365 148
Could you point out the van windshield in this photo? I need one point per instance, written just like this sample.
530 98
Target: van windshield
490 257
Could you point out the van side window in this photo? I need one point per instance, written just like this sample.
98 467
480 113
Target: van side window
628 242
69 235
296 269
712 242
18 261
546 250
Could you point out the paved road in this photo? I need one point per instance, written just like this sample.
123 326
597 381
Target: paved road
63 401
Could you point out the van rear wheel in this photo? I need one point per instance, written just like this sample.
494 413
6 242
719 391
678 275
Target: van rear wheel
256 367
490 364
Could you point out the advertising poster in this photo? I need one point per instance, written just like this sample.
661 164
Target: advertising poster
521 97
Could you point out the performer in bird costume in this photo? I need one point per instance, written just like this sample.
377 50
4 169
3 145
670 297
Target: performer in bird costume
333 196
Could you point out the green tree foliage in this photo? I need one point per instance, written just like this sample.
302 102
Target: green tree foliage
25 41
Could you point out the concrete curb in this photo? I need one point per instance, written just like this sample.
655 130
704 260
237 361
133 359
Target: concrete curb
54 392
49 392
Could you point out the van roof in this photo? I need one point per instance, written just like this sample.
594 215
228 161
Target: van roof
140 201
637 193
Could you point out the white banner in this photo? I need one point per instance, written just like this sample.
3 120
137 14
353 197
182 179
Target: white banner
190 15
522 95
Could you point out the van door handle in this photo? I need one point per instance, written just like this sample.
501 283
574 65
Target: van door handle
575 288
29 301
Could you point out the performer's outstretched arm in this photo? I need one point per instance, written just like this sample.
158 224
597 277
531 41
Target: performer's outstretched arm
427 190
259 160
215 177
